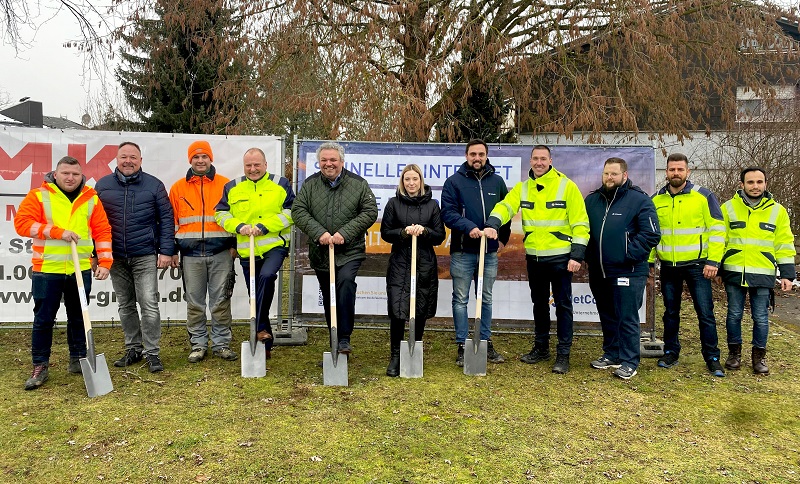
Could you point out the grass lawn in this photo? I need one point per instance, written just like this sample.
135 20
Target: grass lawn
204 423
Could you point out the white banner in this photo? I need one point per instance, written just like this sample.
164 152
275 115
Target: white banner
27 154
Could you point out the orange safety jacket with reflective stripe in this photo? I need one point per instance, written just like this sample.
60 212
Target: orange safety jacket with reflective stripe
45 213
193 200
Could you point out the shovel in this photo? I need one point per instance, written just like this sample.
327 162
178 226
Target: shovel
93 367
411 350
334 365
475 349
254 355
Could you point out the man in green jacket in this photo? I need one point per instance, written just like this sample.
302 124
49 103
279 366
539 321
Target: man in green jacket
336 207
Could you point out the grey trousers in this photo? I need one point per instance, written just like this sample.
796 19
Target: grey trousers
201 276
135 280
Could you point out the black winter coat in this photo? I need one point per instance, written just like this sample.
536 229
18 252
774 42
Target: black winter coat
400 212
623 229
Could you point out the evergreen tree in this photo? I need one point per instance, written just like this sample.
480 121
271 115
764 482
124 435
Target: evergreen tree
184 71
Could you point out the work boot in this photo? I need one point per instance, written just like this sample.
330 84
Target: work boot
38 377
394 362
226 354
536 355
74 365
492 355
344 347
131 356
760 361
197 355
562 364
460 357
734 361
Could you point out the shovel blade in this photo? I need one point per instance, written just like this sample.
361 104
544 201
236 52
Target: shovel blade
475 358
254 365
98 380
411 361
334 374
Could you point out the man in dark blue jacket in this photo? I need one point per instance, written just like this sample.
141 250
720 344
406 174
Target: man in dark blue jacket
143 239
623 228
468 197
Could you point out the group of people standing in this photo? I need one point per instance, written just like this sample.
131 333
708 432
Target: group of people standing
128 226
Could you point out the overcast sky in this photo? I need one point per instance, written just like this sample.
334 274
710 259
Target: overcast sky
47 71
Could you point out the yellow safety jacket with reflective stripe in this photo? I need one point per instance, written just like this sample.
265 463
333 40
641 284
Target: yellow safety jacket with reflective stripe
692 227
759 242
265 203
554 218
45 213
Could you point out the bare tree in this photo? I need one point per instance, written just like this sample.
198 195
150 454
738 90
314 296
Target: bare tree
589 65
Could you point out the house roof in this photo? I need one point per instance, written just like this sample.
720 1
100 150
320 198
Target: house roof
60 123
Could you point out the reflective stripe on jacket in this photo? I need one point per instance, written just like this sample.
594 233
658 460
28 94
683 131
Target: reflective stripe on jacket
554 216
45 213
692 227
265 203
194 199
759 243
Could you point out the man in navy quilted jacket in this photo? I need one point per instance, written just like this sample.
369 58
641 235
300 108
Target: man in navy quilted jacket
143 240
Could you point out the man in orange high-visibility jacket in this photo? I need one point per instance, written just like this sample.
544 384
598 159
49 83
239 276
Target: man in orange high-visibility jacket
63 210
206 252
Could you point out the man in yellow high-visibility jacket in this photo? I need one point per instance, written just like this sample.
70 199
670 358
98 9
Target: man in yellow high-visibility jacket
63 210
691 245
259 203
556 233
759 245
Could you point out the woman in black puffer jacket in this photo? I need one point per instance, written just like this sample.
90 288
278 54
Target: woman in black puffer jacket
412 211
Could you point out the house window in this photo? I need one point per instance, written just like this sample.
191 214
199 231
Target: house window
752 106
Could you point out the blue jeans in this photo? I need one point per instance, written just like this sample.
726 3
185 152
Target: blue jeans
700 288
47 290
540 277
201 276
463 271
266 272
135 280
759 309
618 308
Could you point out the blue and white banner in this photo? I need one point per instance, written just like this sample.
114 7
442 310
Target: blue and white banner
381 164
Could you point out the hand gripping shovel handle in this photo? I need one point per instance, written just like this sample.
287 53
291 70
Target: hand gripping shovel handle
253 336
412 311
476 334
87 322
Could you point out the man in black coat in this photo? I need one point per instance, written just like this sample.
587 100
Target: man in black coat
623 228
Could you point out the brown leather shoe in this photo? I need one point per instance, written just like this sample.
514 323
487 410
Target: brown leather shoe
263 335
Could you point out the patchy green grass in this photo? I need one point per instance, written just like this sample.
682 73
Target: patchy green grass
202 422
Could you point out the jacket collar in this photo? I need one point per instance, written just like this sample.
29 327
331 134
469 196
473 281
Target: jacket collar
210 174
686 189
125 180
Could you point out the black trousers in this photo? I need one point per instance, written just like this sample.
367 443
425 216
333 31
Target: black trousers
345 297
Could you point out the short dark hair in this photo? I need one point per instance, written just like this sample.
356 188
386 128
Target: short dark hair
541 147
678 157
617 161
752 168
477 141
67 160
124 143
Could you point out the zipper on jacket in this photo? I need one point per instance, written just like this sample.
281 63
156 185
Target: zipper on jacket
602 229
125 223
202 218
